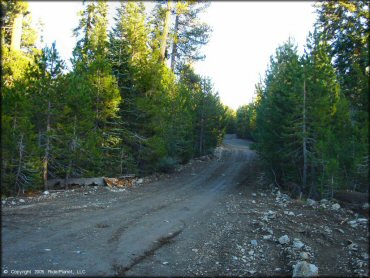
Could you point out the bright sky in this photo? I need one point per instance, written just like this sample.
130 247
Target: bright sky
245 35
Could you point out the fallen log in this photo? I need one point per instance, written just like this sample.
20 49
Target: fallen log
355 201
62 183
125 180
352 197
127 176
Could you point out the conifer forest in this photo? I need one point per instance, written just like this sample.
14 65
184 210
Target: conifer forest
127 148
133 104
121 109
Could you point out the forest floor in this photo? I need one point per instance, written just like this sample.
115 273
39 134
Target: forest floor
212 217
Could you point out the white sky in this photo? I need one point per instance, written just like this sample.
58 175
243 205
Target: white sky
245 35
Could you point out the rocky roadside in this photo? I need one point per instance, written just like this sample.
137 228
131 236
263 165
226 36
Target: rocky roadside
255 230
274 235
75 191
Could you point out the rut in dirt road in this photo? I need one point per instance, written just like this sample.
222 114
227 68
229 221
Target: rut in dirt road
126 231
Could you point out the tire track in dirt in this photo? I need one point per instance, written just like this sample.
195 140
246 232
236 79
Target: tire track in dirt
125 233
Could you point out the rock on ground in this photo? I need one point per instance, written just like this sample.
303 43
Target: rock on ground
304 269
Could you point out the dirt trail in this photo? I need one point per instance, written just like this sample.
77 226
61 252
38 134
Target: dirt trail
199 221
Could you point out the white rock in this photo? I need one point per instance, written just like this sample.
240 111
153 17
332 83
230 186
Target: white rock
253 201
284 239
254 242
285 197
21 200
311 202
277 269
139 181
252 271
323 201
165 263
361 220
335 206
235 258
254 194
267 237
46 192
266 218
13 203
3 202
304 255
251 252
353 247
304 269
297 243
365 206
353 223
194 250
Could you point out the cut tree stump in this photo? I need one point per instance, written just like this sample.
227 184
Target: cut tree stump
120 182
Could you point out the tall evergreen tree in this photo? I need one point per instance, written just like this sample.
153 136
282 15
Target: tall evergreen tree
189 33
279 115
92 63
20 162
345 25
44 89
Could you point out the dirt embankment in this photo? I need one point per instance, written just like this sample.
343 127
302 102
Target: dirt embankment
213 217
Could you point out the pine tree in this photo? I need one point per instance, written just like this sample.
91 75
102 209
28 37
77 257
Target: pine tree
279 117
245 121
345 25
92 63
44 89
20 163
189 34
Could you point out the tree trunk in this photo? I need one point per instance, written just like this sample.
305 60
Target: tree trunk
304 179
174 45
72 152
201 136
121 162
47 148
97 115
17 32
165 30
20 161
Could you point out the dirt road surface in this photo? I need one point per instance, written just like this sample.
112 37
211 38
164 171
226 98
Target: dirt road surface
200 221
